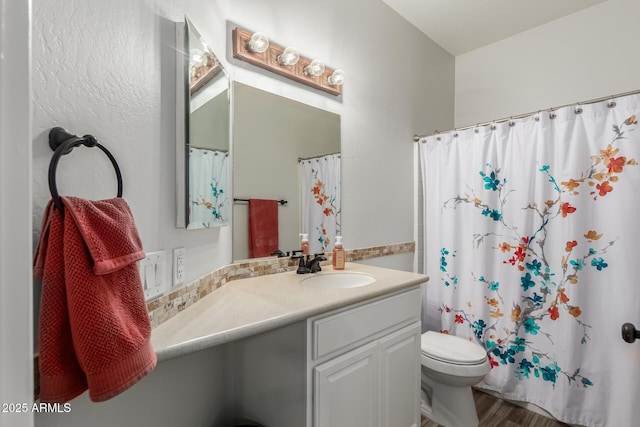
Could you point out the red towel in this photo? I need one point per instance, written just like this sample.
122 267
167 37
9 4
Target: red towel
263 227
94 327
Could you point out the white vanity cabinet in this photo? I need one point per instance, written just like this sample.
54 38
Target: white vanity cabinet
363 364
292 355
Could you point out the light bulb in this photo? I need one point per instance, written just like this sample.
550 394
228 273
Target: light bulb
290 56
316 68
337 78
258 43
198 58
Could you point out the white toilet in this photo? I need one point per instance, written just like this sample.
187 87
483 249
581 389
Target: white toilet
450 366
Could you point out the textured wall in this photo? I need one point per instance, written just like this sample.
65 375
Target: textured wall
575 58
107 69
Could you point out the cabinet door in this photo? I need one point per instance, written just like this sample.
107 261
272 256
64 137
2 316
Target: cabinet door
400 378
346 390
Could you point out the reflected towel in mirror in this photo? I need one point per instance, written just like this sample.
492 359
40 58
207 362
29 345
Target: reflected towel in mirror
263 227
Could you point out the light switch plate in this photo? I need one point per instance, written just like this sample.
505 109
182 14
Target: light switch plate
152 274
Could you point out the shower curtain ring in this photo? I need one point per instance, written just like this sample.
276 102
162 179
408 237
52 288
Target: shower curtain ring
578 109
611 103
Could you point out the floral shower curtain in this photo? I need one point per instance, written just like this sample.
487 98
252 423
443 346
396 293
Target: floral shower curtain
208 188
320 200
531 228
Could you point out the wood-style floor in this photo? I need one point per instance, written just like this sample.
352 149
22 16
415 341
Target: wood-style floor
494 412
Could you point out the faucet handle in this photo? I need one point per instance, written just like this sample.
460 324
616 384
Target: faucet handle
302 267
280 253
314 264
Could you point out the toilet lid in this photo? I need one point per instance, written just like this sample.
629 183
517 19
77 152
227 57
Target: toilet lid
452 349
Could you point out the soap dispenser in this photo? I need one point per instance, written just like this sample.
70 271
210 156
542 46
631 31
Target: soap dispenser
338 255
304 243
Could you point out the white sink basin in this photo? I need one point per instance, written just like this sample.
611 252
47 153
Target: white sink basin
338 280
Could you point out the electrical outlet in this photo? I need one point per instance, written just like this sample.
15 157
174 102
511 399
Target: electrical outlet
178 266
152 274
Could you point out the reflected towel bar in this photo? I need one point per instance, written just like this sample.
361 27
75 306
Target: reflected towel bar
280 202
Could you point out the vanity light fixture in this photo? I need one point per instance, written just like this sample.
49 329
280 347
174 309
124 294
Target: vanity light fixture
286 62
258 43
290 56
203 67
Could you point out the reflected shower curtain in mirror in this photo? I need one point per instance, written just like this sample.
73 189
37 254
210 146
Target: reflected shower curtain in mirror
531 228
208 188
320 200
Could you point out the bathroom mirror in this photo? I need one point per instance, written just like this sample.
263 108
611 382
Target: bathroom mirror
272 136
206 199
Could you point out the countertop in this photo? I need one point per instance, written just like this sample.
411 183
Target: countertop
246 307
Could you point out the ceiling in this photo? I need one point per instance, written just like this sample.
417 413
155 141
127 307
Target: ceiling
460 26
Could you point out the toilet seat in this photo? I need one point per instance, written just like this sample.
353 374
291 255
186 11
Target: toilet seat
451 349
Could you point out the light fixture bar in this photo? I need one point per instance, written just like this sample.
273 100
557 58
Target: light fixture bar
268 60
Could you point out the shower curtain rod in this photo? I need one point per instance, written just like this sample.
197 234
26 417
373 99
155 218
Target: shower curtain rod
209 149
301 159
416 138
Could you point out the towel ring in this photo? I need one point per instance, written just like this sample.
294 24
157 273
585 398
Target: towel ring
62 143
